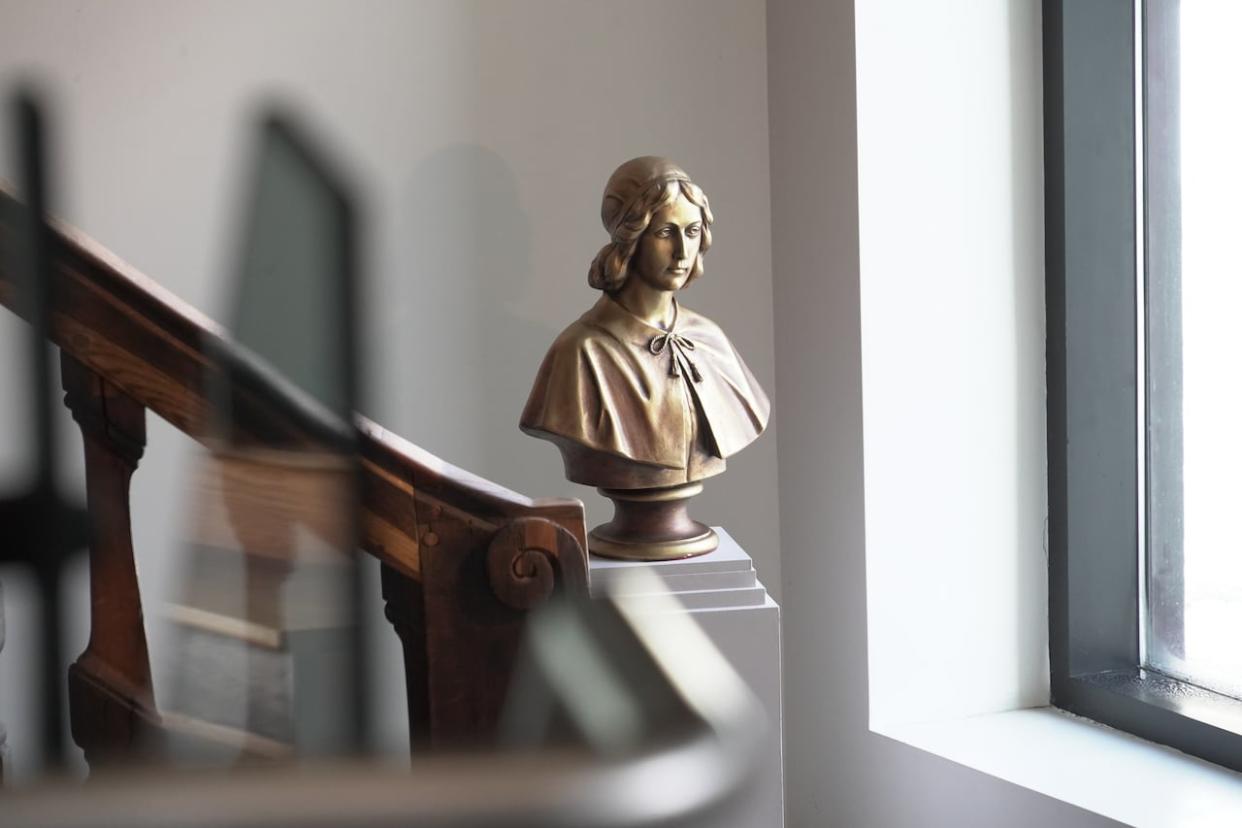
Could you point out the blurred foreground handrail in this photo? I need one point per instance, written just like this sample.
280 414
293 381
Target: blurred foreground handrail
691 758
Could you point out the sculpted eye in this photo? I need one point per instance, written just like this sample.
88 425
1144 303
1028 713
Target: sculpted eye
694 230
664 232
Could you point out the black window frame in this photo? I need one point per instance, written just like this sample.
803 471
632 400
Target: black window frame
1092 296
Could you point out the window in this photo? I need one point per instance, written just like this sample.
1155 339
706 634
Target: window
1194 399
1145 586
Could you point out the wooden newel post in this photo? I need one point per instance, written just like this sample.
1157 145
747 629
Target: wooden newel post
110 693
461 619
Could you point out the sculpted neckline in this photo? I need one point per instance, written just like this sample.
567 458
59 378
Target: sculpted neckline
631 315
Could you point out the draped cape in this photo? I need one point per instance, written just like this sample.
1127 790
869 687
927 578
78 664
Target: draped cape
602 386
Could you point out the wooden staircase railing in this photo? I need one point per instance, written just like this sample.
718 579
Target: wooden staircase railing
463 559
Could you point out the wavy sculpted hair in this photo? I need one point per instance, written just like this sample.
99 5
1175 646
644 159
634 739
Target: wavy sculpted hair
611 267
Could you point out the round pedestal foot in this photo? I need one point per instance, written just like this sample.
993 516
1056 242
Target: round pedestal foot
652 525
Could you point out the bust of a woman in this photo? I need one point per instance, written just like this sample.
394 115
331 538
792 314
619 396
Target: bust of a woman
643 396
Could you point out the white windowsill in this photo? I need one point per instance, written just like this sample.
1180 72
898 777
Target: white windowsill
1086 764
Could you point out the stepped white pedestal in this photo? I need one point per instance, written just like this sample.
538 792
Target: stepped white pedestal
721 592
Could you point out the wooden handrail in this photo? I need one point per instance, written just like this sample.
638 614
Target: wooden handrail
423 518
157 348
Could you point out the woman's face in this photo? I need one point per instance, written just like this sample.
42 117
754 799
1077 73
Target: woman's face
668 248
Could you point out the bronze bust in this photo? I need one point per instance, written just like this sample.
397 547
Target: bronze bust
643 396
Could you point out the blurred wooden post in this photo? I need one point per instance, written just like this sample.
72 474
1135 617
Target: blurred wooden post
3 735
110 684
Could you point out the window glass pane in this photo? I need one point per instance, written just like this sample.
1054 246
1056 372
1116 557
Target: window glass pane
1194 618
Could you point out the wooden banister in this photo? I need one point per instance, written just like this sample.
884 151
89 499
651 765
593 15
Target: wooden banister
463 558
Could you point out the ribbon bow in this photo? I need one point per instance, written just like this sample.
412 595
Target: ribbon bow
677 346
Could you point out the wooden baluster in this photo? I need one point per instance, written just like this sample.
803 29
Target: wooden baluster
403 607
110 691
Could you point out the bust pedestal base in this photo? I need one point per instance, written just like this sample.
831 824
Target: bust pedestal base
652 525
721 592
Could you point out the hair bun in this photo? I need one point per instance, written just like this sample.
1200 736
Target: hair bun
597 275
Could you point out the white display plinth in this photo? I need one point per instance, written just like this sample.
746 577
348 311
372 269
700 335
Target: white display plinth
722 592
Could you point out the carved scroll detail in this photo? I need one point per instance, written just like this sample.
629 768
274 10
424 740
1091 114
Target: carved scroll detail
525 558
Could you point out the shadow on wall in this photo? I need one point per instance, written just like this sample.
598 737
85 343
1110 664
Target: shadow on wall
459 390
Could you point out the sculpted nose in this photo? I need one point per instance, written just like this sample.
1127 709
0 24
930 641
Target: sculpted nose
680 246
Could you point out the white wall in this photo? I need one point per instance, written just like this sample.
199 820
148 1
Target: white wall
481 135
950 162
907 247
